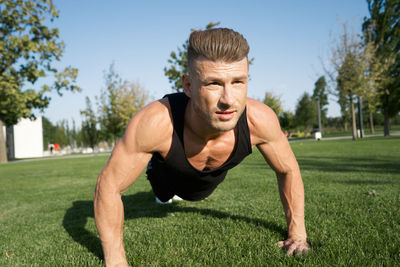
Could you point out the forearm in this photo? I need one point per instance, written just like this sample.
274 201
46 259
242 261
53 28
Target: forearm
291 191
109 217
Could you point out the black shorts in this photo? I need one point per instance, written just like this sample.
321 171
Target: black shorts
160 183
166 182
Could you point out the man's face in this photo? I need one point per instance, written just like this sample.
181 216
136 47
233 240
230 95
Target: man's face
218 92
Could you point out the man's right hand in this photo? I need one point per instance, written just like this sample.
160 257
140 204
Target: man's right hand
295 247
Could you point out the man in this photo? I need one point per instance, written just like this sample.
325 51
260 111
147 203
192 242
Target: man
192 139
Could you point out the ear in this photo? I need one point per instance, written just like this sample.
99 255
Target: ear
187 85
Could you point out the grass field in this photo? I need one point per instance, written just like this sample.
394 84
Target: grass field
46 213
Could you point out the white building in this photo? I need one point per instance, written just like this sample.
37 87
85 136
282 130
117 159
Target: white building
25 139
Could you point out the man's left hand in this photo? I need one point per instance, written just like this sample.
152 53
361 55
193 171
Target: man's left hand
295 247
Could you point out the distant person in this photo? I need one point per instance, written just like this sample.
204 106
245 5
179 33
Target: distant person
190 140
51 146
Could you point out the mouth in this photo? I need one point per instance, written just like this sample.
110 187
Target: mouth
225 115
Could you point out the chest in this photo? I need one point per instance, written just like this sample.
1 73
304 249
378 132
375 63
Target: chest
211 154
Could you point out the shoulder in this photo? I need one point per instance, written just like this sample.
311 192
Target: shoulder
150 129
263 123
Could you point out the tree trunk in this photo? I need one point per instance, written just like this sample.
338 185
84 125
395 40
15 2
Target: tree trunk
3 147
371 123
346 126
353 119
386 127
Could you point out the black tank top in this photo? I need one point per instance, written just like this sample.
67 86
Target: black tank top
188 182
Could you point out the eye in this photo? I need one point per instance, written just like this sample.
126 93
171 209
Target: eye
212 83
238 82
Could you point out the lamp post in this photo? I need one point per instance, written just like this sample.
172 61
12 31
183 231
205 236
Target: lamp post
360 118
319 115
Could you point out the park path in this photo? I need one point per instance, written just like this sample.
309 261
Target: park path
57 157
342 137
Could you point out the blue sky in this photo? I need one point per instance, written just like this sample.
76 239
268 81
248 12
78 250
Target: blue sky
286 38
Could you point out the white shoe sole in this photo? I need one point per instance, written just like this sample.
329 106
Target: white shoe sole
177 198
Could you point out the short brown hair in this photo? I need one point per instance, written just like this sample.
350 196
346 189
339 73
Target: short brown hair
217 44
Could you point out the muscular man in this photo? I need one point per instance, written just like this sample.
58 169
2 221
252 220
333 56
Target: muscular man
191 139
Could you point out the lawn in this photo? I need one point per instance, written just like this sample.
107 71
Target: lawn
352 213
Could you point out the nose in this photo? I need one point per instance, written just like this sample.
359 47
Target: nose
226 99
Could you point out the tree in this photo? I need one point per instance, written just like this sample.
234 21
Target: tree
348 72
49 131
375 77
358 72
90 133
118 102
286 120
383 28
178 63
110 124
61 133
320 91
274 102
347 84
28 48
344 108
131 97
73 135
306 112
58 133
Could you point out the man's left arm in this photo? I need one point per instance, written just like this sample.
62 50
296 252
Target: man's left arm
274 146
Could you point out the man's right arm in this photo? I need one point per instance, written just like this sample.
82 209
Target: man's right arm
128 159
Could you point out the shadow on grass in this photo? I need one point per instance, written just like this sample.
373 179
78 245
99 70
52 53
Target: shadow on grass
141 205
345 164
350 164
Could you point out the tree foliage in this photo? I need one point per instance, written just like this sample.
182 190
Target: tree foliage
49 131
274 102
349 83
375 80
306 112
131 98
383 29
287 120
55 133
321 92
344 107
89 129
358 73
117 104
111 125
28 48
351 73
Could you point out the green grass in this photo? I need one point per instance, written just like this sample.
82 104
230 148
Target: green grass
46 213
